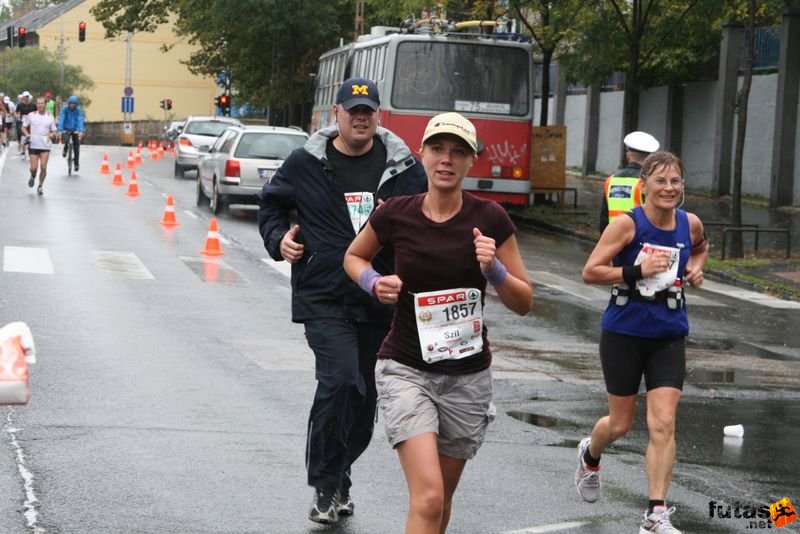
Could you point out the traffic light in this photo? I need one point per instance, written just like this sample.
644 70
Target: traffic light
168 103
10 35
81 31
224 102
21 34
163 104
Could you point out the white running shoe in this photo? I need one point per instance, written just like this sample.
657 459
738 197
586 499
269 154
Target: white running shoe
587 479
658 522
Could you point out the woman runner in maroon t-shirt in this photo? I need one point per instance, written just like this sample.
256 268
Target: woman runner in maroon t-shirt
433 377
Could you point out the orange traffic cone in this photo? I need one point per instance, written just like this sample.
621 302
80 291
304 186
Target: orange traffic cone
104 168
131 164
154 153
212 240
169 213
160 150
138 159
133 187
118 175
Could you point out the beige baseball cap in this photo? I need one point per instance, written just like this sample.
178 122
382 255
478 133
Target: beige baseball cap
453 124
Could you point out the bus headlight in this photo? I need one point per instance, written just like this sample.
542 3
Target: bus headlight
496 169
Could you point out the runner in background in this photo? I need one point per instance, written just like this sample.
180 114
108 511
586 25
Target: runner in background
41 128
333 184
647 255
433 376
25 107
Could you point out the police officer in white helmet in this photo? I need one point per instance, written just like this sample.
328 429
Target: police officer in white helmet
622 191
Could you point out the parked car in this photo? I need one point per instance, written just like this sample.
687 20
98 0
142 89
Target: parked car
236 167
197 132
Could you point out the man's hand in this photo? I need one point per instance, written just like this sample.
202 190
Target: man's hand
291 250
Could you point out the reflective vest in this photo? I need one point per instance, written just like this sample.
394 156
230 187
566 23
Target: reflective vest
623 193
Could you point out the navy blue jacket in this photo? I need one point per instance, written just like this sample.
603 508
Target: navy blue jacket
305 183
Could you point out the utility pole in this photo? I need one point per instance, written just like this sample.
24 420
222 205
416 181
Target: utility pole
61 57
127 126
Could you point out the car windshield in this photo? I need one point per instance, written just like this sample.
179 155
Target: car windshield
267 145
207 128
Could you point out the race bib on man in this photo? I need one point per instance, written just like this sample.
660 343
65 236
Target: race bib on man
660 281
359 206
450 323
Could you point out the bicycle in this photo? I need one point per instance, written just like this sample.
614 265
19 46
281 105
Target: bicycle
69 149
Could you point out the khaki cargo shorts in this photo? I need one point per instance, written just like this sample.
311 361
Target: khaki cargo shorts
457 408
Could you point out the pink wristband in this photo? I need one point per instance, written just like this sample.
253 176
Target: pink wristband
367 280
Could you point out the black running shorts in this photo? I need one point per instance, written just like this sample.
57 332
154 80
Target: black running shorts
625 358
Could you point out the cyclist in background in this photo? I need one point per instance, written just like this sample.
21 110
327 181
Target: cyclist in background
70 122
25 107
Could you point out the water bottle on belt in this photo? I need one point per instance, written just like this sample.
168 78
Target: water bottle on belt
675 295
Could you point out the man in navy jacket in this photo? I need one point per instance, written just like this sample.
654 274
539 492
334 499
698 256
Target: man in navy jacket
333 184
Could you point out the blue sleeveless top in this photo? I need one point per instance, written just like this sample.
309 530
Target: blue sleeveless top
651 319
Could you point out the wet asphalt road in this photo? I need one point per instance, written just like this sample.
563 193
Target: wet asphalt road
171 392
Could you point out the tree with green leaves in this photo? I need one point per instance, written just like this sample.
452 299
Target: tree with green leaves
654 42
267 48
550 23
39 71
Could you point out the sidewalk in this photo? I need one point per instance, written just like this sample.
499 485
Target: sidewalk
766 270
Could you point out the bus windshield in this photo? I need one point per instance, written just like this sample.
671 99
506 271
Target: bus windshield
465 77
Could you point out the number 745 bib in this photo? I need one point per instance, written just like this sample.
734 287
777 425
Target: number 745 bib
450 323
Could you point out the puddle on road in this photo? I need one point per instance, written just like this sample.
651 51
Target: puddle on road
213 271
535 419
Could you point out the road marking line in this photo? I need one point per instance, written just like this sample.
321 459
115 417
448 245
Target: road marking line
190 213
555 527
750 296
27 260
283 267
27 477
576 289
122 264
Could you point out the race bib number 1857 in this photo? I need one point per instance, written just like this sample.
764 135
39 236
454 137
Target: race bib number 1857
450 323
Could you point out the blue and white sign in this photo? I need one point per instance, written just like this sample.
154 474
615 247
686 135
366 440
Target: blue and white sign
127 104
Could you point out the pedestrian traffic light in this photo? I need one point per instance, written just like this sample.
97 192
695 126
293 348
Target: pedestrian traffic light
21 34
163 104
10 35
81 31
168 103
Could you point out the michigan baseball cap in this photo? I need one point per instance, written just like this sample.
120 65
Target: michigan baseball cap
358 92
641 142
453 124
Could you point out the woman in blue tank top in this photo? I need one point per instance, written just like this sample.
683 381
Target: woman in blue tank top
648 257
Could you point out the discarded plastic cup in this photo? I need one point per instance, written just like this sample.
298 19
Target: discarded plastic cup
734 430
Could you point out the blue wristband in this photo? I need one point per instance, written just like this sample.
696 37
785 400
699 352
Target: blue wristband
367 280
497 275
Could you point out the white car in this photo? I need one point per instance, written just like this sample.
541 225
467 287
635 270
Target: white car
236 167
198 131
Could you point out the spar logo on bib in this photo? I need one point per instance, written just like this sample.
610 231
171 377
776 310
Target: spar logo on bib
443 298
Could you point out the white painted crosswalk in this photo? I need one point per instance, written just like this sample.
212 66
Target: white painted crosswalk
31 260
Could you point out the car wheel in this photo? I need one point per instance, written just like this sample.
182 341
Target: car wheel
200 197
178 171
215 203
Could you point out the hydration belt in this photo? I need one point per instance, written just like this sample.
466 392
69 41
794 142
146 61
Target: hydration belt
620 293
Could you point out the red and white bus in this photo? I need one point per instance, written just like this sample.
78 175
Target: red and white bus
487 78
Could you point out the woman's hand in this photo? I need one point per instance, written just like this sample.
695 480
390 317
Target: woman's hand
656 262
387 289
485 250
